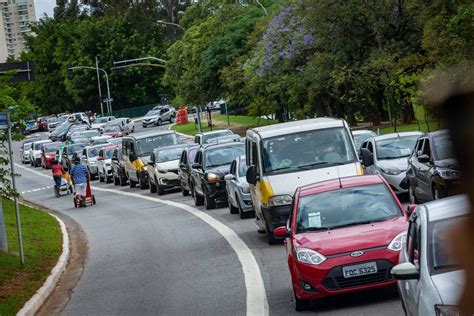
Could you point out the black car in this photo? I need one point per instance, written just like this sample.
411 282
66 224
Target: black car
211 164
185 168
432 172
68 152
61 133
118 169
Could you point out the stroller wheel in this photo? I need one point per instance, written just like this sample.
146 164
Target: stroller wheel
93 200
75 202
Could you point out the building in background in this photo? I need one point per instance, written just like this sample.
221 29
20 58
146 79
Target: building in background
15 17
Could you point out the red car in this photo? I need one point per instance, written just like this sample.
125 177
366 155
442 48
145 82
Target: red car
112 130
50 153
343 236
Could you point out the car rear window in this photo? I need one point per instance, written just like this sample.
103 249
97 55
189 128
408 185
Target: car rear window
346 207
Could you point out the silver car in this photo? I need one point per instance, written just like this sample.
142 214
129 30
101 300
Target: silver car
387 155
157 117
89 158
163 168
430 280
238 190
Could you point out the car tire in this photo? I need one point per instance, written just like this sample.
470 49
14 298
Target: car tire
411 195
209 202
132 183
242 214
171 119
184 191
144 126
116 181
161 190
198 200
101 179
301 305
152 186
232 209
143 185
108 179
122 181
158 123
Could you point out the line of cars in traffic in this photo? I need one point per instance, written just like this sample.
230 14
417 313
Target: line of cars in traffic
332 201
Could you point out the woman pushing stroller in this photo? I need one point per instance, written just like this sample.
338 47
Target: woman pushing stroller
80 176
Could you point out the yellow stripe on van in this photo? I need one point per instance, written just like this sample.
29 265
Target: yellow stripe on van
266 191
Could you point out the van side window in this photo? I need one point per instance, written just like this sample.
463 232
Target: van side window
254 155
419 147
370 147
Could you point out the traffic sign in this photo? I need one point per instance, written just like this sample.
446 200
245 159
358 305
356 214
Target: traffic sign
3 120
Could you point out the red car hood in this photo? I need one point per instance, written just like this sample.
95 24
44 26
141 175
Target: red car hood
352 238
53 153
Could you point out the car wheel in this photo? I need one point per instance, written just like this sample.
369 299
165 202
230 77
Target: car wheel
152 186
232 209
132 183
198 200
209 202
143 184
270 238
242 214
159 122
171 119
101 179
133 129
184 191
301 305
161 190
122 181
108 179
144 126
116 181
31 163
411 195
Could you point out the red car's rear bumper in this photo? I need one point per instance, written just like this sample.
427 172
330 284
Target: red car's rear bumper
327 278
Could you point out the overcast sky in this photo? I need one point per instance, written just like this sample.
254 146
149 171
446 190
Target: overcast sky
44 6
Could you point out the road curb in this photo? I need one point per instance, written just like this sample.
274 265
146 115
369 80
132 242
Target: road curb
37 300
173 124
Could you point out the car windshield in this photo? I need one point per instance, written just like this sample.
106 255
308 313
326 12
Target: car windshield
113 128
62 129
38 146
242 168
116 141
192 154
360 138
71 149
93 151
443 147
206 138
440 250
346 207
147 145
52 147
222 155
396 147
102 119
51 120
153 112
169 154
78 128
108 153
307 150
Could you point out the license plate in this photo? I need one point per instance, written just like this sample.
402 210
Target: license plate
359 269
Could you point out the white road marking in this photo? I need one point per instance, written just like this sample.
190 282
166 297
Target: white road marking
37 189
257 303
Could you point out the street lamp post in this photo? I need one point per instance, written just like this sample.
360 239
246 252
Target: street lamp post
109 100
171 23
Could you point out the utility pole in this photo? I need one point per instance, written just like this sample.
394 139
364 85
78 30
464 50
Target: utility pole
98 85
3 230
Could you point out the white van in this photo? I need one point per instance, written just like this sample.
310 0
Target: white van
286 156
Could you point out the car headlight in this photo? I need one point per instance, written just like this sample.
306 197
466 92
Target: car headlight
309 256
391 171
37 155
449 174
278 200
49 156
92 162
213 177
447 310
397 243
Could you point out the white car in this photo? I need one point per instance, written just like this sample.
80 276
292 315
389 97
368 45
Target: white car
78 117
97 140
89 158
387 155
26 148
104 163
430 279
100 122
163 168
35 152
126 124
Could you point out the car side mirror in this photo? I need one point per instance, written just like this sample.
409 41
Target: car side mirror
251 175
281 232
424 158
229 177
405 271
367 157
411 208
197 166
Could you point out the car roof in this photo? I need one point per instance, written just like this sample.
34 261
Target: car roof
43 141
150 134
296 126
440 132
97 146
214 132
340 183
395 135
361 131
221 145
447 207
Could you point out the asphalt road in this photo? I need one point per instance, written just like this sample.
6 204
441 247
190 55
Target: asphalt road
150 255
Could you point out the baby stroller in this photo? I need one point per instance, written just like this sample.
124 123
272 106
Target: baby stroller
64 189
89 197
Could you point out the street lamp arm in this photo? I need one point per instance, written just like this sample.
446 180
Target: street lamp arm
140 59
171 23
